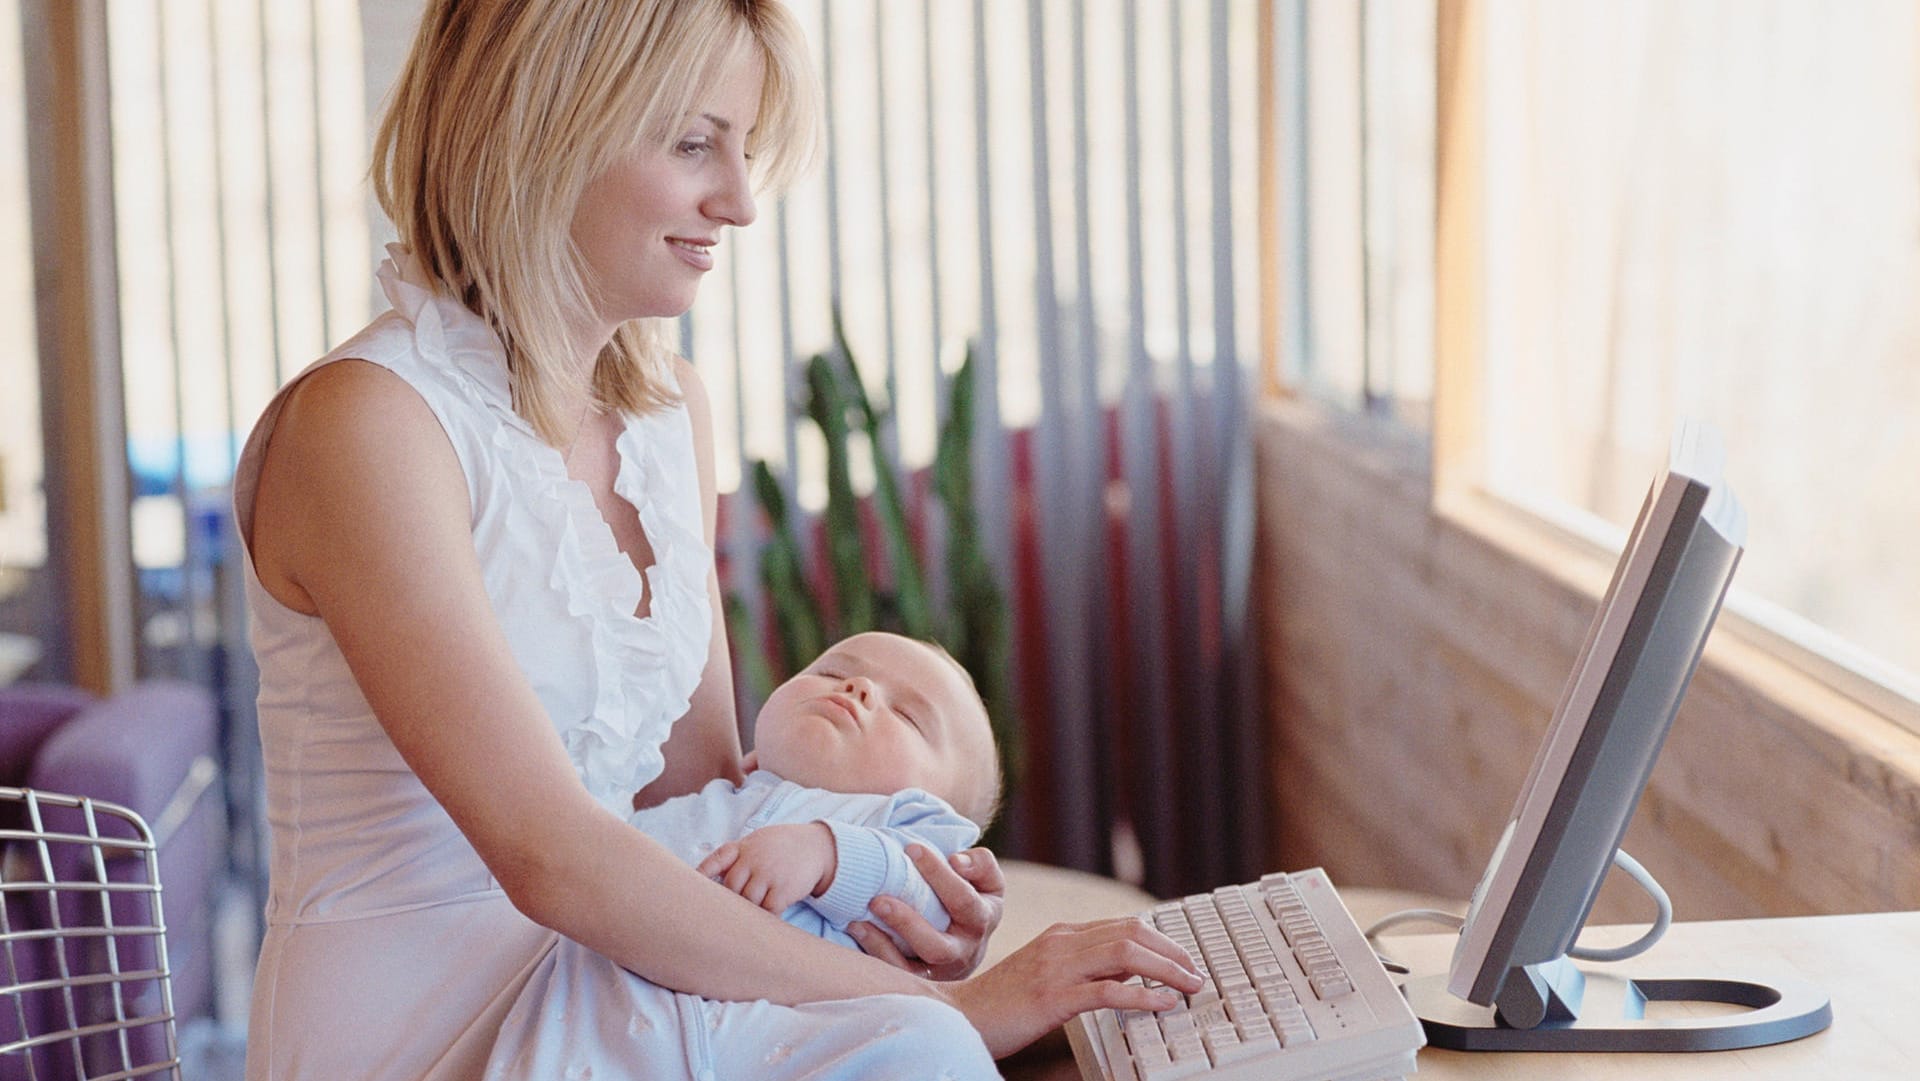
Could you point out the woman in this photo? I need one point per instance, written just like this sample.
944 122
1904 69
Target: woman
483 598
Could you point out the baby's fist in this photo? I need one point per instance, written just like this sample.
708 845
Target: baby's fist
775 866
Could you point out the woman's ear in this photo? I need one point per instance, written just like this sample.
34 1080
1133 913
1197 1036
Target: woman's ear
751 762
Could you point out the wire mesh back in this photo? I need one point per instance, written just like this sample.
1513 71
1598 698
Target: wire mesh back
85 992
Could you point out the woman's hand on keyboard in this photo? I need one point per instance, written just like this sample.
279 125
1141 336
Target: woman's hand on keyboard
1069 969
973 891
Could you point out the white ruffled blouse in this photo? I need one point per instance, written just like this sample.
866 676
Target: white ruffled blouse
613 683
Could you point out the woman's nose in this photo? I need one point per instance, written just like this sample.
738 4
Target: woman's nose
732 201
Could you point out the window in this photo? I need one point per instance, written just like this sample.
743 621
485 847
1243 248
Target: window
1355 92
242 243
1697 209
1709 209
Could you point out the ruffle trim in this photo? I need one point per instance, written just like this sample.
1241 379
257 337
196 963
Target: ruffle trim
644 669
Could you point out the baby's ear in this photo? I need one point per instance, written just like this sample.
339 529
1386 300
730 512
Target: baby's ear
751 762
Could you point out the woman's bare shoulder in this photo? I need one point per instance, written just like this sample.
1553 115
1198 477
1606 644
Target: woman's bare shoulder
356 456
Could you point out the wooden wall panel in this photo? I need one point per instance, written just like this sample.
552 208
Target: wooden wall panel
1411 664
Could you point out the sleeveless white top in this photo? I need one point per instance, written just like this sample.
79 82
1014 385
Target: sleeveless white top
390 951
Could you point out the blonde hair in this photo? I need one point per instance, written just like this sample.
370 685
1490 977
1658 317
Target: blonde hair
504 112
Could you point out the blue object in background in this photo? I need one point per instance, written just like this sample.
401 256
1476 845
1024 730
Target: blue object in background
155 461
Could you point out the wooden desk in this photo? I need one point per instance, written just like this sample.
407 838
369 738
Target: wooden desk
1866 963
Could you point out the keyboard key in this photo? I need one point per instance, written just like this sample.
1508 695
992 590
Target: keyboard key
1143 1034
1188 1048
1172 1071
1228 1054
1331 986
1173 1024
1295 1033
1244 1005
1258 1031
1154 1055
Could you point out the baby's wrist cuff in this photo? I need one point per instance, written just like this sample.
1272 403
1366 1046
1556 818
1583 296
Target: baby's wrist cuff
860 872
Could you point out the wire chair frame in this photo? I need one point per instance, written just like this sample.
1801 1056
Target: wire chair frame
84 1007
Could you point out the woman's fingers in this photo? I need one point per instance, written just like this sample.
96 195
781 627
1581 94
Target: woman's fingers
1069 969
875 943
969 884
938 949
972 889
1121 948
1120 995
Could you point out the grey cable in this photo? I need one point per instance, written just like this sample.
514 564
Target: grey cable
1663 918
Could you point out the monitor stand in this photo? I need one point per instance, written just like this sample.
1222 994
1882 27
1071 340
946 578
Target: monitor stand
1557 1007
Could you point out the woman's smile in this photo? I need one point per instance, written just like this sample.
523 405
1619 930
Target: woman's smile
695 253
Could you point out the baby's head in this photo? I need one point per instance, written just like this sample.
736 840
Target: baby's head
877 713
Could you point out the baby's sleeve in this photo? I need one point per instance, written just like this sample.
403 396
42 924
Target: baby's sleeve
871 858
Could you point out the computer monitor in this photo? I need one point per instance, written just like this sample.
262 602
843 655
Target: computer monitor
1510 984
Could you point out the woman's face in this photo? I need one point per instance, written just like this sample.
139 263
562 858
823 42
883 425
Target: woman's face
647 226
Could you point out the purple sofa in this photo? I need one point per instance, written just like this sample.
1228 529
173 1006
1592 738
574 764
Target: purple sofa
151 749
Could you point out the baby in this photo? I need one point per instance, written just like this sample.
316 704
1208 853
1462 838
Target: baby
880 743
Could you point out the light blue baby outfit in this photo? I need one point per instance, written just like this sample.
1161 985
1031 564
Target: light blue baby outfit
870 834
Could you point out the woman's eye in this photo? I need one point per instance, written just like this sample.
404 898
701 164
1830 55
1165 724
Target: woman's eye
691 147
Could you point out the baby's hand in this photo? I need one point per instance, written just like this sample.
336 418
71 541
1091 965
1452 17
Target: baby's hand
774 866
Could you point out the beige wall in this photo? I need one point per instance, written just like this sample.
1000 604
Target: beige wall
1411 662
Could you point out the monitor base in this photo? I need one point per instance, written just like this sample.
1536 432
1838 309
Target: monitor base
1613 1017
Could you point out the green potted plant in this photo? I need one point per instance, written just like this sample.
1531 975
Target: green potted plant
856 595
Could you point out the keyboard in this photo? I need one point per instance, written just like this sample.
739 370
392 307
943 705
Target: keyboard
1294 993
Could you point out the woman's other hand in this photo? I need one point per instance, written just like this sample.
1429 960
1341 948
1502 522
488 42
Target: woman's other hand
1069 969
974 893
